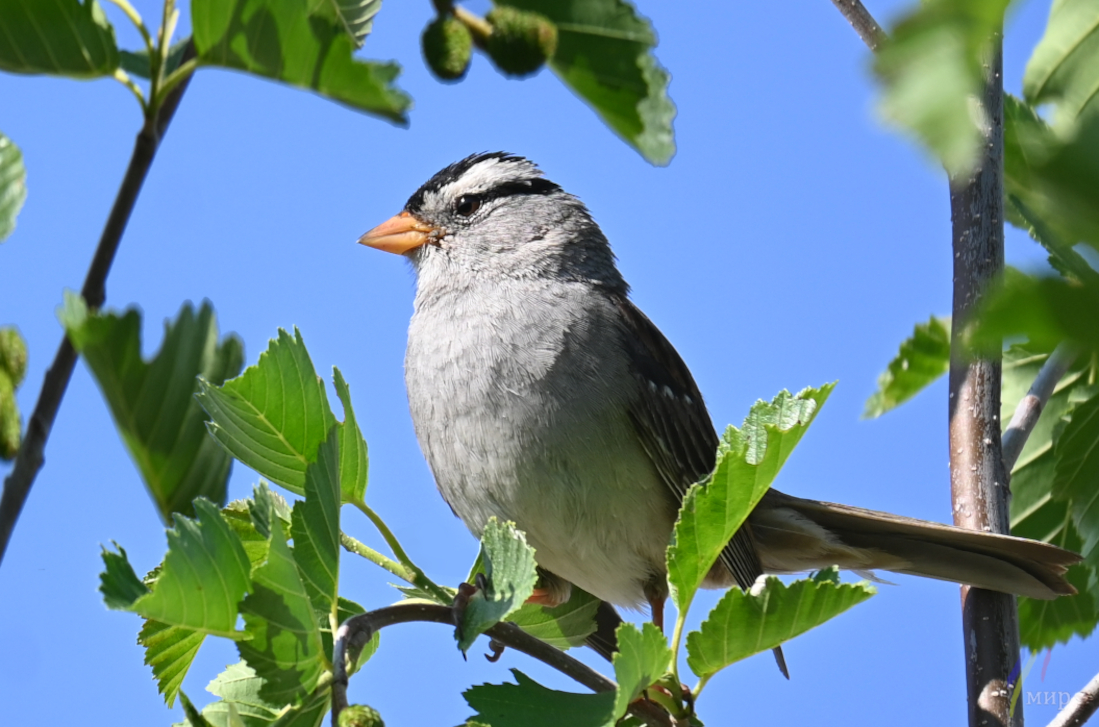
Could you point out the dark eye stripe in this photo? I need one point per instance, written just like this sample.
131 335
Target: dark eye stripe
535 185
529 185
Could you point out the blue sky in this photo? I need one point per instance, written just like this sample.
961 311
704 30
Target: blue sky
792 241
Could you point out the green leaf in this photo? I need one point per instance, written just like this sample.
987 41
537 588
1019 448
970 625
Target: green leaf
169 650
931 72
1034 512
239 686
1054 173
240 690
1042 624
643 657
203 578
604 54
529 704
1044 309
922 359
1077 475
153 402
562 626
118 583
13 185
136 63
743 624
275 415
1064 68
748 461
315 526
354 460
1062 258
252 520
193 716
357 17
285 649
62 37
300 42
356 657
509 581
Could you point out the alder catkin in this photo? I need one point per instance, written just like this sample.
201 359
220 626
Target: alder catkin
447 47
521 41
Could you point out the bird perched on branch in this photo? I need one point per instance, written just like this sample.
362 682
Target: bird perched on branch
540 394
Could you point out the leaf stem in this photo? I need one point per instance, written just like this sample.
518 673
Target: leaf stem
419 579
184 70
677 636
135 18
702 682
124 78
30 458
359 548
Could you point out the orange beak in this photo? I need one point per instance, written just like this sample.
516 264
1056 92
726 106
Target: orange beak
399 234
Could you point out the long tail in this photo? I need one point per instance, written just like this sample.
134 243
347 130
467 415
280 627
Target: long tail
794 535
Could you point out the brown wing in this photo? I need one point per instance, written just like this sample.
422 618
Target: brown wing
675 428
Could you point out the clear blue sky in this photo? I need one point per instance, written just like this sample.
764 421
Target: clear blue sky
792 241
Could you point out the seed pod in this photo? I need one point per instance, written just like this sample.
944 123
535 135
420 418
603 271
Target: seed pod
360 715
447 46
10 428
13 354
521 41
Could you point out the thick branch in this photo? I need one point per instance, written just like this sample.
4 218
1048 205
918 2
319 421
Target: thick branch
1082 706
978 478
30 458
1030 407
863 22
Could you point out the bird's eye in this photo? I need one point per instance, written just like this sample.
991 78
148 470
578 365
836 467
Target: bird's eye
468 204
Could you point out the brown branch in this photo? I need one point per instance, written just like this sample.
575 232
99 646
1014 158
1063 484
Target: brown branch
1029 409
357 630
978 479
30 458
1080 708
863 23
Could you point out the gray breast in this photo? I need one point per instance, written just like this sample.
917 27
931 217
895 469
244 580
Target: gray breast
528 422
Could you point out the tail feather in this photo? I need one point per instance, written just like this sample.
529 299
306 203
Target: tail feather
796 534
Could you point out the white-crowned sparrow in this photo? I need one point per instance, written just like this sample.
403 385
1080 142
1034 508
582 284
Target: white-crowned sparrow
540 394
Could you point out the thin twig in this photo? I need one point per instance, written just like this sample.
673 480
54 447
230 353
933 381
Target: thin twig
30 457
863 23
1029 409
419 578
1080 708
478 27
357 630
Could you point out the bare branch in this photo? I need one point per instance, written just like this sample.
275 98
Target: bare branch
863 23
357 630
30 457
1080 708
1030 407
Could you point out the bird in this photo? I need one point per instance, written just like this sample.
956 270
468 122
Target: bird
541 395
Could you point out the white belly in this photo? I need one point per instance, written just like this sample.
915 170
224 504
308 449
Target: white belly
572 475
